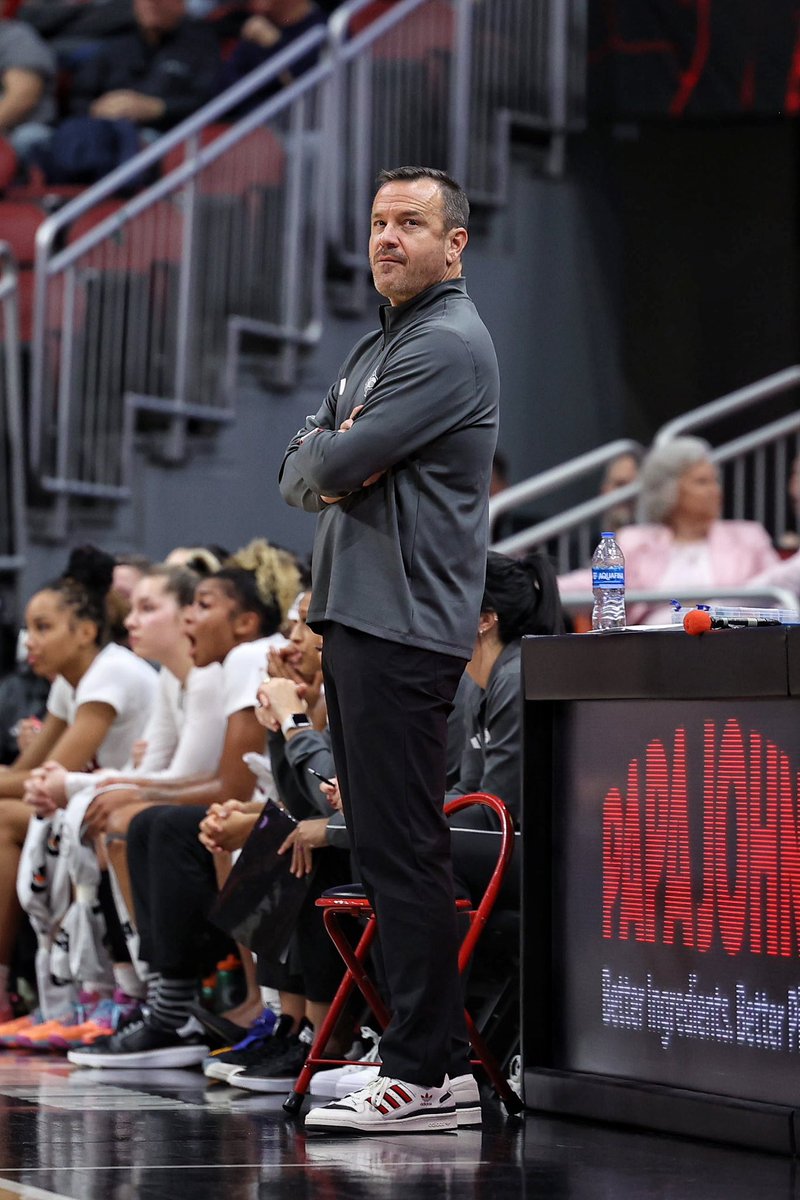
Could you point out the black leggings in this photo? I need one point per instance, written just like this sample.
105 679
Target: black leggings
174 885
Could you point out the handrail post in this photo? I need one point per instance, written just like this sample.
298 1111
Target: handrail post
557 83
45 236
13 413
294 214
460 83
175 447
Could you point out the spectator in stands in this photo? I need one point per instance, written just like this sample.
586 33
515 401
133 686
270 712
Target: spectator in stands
786 574
27 75
622 470
271 26
684 542
789 541
75 31
98 705
154 76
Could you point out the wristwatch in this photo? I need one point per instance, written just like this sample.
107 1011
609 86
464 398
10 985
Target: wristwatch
295 721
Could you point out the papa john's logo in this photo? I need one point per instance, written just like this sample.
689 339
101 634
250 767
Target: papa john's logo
683 874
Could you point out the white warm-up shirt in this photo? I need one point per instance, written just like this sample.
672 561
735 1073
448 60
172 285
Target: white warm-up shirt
187 726
243 669
118 678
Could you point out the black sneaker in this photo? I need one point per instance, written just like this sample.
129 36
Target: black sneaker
255 1048
141 1043
281 1072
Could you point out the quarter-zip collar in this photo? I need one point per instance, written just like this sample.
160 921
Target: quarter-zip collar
396 317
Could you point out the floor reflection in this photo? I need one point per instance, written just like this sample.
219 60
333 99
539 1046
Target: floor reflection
158 1135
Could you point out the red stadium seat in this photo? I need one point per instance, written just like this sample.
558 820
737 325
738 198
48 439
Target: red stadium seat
431 28
19 221
255 162
8 164
155 236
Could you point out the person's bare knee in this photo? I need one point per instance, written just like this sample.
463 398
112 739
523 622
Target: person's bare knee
120 818
14 821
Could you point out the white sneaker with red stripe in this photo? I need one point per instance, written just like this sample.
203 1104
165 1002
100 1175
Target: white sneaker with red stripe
464 1088
388 1106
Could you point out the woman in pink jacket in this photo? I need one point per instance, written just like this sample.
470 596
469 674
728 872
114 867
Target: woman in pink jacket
684 542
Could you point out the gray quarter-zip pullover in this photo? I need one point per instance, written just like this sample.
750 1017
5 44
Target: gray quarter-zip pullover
404 559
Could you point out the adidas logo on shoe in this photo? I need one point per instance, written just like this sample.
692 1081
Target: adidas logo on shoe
388 1106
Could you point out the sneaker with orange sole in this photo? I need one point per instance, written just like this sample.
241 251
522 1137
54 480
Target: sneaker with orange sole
100 1022
37 1037
10 1029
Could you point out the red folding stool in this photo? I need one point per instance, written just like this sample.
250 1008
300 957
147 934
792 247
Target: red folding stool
351 902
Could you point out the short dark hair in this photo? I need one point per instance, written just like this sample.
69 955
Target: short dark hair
455 205
524 595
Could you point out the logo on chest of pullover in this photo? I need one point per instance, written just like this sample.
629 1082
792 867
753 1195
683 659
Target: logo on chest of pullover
370 384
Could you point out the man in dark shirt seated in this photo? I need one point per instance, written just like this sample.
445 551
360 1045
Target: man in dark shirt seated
270 26
155 76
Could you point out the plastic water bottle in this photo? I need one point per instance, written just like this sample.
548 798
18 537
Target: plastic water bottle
608 584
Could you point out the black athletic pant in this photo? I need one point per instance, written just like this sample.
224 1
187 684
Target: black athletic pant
387 707
174 885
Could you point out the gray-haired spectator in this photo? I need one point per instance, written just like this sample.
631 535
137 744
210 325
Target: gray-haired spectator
622 470
684 542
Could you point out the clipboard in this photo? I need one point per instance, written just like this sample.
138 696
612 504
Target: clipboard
260 901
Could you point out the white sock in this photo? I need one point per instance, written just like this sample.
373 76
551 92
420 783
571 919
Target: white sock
271 998
128 981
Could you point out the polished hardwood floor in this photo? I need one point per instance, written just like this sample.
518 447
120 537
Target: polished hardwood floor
162 1135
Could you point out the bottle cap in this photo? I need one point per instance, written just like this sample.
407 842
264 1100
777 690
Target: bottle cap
607 534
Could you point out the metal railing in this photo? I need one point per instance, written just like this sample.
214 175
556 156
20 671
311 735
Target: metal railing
143 303
12 458
755 469
440 83
743 399
527 68
756 465
568 535
140 304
